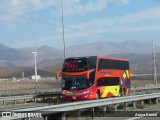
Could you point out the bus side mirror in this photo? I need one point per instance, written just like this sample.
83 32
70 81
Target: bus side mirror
57 74
88 73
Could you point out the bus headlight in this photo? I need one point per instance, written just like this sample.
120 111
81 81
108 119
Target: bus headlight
67 92
87 91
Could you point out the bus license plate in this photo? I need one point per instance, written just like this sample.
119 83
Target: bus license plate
74 97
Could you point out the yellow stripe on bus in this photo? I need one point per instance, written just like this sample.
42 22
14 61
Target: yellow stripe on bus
112 89
126 74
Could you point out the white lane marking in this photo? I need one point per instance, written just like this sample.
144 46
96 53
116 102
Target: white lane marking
133 118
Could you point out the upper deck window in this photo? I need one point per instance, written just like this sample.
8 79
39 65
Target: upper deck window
79 64
113 64
75 64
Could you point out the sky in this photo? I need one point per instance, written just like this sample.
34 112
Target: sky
22 22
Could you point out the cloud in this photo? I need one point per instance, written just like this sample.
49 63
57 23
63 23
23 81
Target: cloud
143 21
71 7
89 6
146 19
74 7
120 2
20 7
150 14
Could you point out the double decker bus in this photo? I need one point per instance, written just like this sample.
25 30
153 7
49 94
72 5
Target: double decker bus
94 77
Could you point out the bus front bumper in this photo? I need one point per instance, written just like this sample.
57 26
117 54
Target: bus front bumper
85 95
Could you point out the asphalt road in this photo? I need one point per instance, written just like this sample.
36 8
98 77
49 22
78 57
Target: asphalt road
152 110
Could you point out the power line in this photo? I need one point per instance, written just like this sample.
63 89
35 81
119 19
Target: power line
35 20
29 18
48 23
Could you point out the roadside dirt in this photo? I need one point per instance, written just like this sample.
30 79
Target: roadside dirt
29 87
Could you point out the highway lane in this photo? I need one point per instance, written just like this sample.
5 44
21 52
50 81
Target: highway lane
155 109
150 108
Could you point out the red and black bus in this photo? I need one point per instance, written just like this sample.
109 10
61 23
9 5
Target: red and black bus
94 77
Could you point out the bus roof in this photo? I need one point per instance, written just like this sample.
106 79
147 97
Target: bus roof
113 58
104 57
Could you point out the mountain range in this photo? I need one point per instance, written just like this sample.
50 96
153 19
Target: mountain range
50 59
10 57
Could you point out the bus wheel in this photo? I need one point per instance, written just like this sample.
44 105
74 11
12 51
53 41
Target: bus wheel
97 95
120 93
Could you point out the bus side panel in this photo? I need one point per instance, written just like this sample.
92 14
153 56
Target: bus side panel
125 81
109 82
109 91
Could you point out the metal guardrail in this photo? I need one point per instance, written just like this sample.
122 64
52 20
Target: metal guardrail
89 104
92 103
145 88
132 75
15 98
25 97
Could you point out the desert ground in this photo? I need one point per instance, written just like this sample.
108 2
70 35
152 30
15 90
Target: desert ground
27 86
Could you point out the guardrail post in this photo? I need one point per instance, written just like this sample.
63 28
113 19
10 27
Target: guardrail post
150 101
24 101
14 102
149 91
64 116
4 103
28 118
142 102
79 114
45 117
104 109
134 104
156 100
24 118
115 108
92 113
125 106
35 99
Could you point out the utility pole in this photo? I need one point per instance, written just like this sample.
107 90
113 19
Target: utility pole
35 63
154 65
22 75
63 31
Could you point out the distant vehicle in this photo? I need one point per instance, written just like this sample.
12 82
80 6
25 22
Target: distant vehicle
94 77
33 77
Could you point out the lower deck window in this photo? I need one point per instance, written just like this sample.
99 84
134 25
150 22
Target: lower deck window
108 81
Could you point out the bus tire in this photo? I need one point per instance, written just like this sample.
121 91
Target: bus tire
124 92
120 93
98 94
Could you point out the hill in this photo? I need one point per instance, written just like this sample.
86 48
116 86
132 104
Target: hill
107 48
12 58
15 61
139 63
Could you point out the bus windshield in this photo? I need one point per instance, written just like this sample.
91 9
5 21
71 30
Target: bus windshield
75 82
